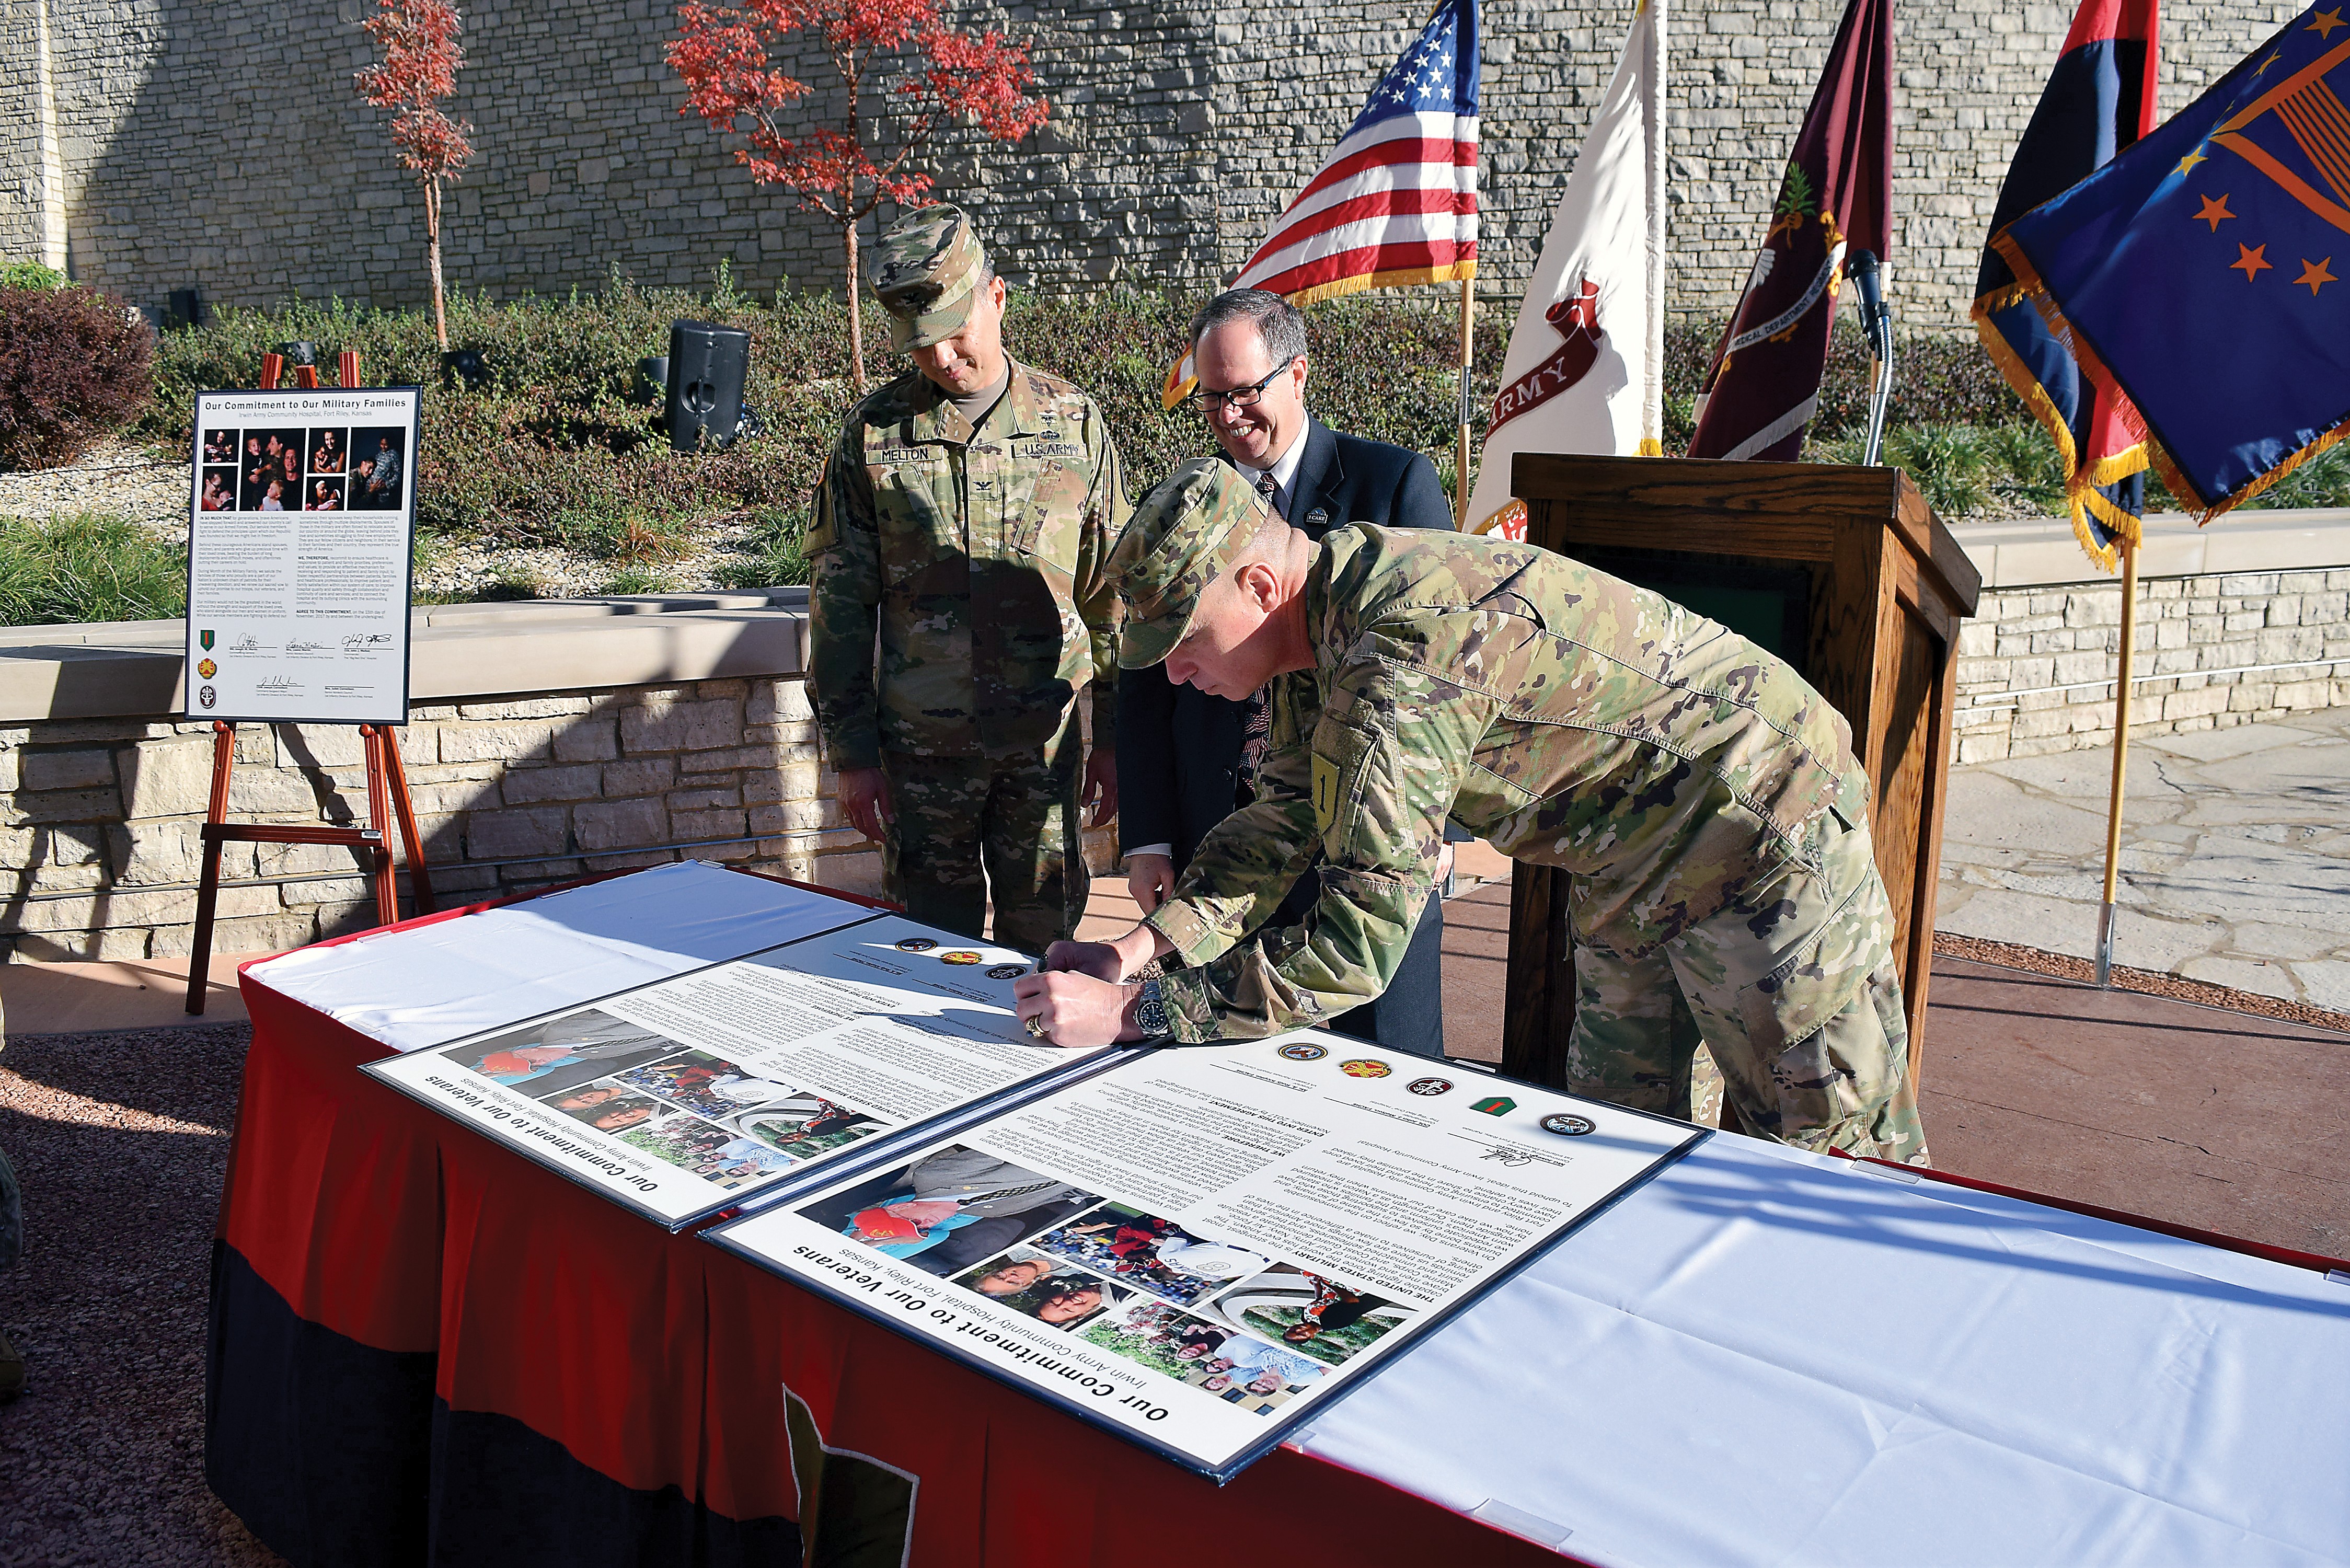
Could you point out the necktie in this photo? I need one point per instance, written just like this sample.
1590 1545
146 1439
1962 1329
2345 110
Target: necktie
1256 722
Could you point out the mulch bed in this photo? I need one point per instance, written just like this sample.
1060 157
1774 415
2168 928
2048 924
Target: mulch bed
120 1140
2062 966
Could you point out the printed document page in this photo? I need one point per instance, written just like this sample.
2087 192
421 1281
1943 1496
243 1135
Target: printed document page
1196 1246
691 1094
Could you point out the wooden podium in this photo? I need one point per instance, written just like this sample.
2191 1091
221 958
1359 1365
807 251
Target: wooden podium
1843 572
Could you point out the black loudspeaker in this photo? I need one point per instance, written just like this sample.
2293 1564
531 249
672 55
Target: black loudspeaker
186 308
707 366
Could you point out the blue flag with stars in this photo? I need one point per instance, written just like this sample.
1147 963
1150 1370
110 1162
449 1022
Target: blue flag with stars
2200 273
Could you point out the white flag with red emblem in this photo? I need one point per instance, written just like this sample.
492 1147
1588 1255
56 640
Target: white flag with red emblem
1585 367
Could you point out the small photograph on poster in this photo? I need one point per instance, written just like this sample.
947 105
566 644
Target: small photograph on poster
699 1082
1162 1336
324 495
1255 1376
1068 1299
1152 1254
805 1126
948 1210
724 1159
219 493
1014 1272
271 470
563 1054
220 446
1305 1312
606 1107
379 468
330 450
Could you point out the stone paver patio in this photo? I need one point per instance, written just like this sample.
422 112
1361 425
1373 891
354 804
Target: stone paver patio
2235 865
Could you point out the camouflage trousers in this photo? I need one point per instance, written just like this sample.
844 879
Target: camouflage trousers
969 828
1793 989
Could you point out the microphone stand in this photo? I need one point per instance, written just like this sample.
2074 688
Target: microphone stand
1880 347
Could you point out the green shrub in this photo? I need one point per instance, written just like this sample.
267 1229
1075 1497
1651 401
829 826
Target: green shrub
30 275
88 567
73 368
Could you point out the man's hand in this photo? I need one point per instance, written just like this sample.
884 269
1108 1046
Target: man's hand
1151 879
1099 959
1101 788
1077 1011
865 801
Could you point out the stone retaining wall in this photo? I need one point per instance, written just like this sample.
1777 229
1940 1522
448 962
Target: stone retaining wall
2037 665
218 143
101 834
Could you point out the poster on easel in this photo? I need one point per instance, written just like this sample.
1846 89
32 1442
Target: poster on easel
301 526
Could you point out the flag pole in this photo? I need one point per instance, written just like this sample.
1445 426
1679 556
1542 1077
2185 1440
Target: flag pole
1460 450
2121 757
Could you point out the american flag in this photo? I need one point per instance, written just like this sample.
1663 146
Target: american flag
1396 202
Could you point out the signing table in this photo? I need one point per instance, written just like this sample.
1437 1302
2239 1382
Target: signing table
423 1347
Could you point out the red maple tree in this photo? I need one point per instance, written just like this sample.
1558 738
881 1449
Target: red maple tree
844 171
419 69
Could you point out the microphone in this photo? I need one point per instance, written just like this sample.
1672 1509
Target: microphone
1874 319
1877 322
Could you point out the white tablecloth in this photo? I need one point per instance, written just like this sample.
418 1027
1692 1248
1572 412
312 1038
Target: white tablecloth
1763 1357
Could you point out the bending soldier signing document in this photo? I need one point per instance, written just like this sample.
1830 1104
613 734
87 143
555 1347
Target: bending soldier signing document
964 521
1703 799
1192 757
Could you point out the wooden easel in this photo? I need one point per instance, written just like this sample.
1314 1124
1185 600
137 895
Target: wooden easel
387 793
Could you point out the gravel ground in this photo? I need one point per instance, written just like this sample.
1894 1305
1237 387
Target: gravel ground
122 1142
118 477
2063 966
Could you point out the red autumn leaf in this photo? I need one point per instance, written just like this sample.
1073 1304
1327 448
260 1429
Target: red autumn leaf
904 74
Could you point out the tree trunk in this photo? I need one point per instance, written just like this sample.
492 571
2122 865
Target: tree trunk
432 252
855 321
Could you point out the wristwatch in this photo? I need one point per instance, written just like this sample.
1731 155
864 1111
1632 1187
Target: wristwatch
1149 1013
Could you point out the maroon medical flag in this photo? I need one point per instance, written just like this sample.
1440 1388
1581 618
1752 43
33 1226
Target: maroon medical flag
1764 383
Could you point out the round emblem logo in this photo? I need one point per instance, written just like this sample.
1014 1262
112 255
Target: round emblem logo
1430 1086
207 669
1007 971
959 957
1365 1067
916 945
1568 1124
1303 1052
207 696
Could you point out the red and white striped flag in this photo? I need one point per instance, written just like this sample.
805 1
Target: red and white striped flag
1396 202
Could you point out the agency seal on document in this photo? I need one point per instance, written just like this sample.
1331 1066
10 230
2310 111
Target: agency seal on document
1007 971
916 945
961 956
1430 1086
1365 1067
1303 1052
1569 1124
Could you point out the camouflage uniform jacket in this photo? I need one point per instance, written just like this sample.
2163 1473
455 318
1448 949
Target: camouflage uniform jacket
1574 720
976 555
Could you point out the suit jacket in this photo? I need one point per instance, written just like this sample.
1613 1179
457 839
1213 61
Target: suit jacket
1179 750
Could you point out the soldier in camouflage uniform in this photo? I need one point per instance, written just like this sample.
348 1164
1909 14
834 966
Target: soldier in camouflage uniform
1704 800
962 527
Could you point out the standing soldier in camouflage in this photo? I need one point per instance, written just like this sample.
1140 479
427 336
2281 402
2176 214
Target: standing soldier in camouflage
1704 800
959 605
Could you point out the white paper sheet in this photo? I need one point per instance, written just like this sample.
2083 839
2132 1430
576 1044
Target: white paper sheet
441 983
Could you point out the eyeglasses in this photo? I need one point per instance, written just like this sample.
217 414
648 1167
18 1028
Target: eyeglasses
1246 396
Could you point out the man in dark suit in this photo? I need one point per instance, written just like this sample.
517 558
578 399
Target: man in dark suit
1187 758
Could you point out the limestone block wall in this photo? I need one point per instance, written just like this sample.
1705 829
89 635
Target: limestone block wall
2036 666
101 817
219 144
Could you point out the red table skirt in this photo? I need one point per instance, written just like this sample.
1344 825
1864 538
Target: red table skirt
424 1347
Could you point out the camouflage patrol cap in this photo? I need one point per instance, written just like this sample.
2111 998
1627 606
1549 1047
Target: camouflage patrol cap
927 272
1182 536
